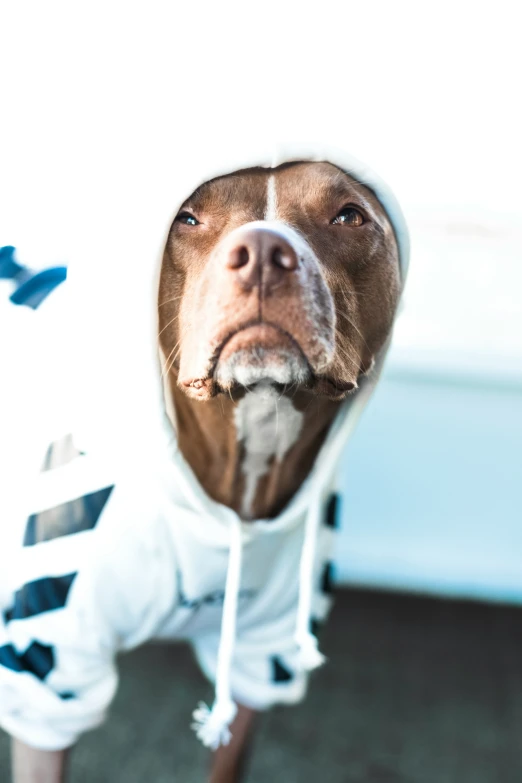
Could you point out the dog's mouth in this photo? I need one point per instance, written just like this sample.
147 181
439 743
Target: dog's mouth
258 352
264 352
259 335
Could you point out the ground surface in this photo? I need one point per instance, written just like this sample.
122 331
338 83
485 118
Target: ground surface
416 691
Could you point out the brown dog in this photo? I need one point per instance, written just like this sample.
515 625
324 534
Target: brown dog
278 291
289 276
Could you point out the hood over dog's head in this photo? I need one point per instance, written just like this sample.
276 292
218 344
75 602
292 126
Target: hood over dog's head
284 265
289 274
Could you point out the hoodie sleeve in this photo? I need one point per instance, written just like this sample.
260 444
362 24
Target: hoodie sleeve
80 586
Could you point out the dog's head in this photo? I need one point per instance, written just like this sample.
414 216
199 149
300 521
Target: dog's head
289 275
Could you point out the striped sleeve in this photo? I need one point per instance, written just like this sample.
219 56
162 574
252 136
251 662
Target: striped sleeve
76 592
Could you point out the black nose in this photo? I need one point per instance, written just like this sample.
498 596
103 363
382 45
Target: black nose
261 257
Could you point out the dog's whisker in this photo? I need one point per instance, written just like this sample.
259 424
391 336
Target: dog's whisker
167 325
167 301
164 373
354 327
346 353
173 360
172 363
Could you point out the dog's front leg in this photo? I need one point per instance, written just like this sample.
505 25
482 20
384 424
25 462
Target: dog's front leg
31 765
229 762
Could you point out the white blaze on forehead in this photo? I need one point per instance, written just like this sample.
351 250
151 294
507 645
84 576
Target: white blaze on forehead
268 425
271 199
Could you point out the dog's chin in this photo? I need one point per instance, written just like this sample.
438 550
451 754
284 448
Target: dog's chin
251 366
264 354
261 353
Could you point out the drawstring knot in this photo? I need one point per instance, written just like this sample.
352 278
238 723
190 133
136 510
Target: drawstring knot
212 725
310 657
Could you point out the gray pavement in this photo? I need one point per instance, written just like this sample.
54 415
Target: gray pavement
416 691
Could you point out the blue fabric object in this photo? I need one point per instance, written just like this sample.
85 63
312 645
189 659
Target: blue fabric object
39 596
280 673
9 269
332 511
31 287
38 659
33 291
68 518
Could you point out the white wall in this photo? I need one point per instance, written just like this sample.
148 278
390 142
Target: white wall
433 490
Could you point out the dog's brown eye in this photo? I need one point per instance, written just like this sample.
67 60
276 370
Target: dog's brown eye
348 216
187 219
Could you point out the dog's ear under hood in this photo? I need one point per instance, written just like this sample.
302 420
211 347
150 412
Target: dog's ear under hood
116 268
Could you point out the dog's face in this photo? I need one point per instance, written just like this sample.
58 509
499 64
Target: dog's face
289 275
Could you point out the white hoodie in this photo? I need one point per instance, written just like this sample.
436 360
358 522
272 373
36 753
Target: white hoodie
113 542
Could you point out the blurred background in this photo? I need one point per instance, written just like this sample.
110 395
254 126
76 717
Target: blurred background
428 95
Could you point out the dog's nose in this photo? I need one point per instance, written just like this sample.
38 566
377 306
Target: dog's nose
261 257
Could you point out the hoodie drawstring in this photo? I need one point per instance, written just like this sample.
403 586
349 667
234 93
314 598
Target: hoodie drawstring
310 656
212 725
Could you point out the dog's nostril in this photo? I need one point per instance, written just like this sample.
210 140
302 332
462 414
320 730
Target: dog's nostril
244 256
284 259
239 257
